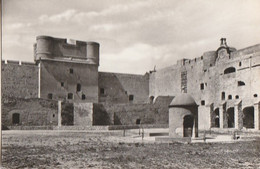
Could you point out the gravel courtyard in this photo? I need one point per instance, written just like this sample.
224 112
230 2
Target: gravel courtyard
102 149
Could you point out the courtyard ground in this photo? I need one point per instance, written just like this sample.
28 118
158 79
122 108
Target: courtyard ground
103 149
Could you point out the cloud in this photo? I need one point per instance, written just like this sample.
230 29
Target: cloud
137 34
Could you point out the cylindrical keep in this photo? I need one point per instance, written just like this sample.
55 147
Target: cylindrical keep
92 53
44 47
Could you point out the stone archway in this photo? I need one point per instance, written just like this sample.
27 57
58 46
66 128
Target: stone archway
248 117
188 122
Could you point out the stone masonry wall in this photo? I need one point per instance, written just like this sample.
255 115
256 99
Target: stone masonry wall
117 88
19 80
32 112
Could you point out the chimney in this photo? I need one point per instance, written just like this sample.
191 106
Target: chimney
223 42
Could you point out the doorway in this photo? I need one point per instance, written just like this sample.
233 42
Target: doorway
16 118
248 117
188 125
230 117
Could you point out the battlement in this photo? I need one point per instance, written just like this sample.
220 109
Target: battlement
48 47
17 62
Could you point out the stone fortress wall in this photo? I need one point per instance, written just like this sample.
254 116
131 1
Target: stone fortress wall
214 80
223 83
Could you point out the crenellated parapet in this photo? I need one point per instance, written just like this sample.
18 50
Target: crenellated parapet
47 47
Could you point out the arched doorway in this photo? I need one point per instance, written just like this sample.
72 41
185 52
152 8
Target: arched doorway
230 117
188 125
16 118
248 117
216 118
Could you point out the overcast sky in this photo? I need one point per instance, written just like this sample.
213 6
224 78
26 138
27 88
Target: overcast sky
135 35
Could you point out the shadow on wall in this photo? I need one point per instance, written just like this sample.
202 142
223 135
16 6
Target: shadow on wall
111 89
100 115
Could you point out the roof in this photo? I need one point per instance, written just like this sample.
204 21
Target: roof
183 99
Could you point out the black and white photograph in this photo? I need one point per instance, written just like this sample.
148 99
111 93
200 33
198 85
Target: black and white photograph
130 84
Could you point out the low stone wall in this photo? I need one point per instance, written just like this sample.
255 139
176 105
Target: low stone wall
29 112
129 114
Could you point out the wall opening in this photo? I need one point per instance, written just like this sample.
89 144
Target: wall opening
50 96
188 125
248 117
70 96
241 83
229 70
202 86
83 97
216 119
62 84
202 102
16 118
131 97
138 121
102 91
230 117
78 87
229 97
255 95
71 71
223 96
237 97
240 64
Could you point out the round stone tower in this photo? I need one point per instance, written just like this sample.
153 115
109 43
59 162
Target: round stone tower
44 47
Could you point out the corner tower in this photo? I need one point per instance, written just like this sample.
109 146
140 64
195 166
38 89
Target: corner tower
68 69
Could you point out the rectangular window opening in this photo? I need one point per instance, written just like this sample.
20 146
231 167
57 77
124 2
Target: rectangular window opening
131 97
70 96
102 91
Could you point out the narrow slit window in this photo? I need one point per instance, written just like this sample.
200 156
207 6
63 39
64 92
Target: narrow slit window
223 96
78 87
70 96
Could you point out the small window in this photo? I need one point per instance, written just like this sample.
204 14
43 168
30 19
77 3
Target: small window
125 92
229 70
240 64
229 97
202 86
202 102
83 97
71 71
240 83
70 96
50 96
131 97
102 91
78 87
255 95
62 84
237 97
53 115
223 96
